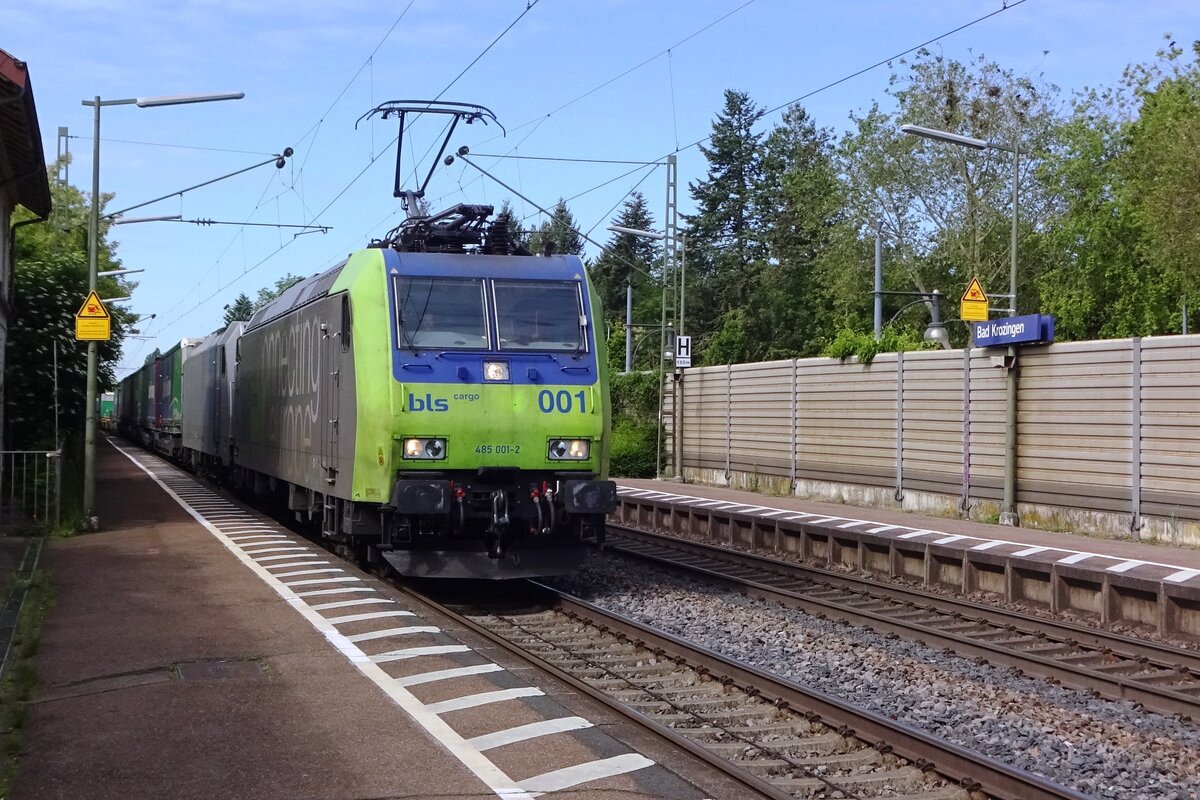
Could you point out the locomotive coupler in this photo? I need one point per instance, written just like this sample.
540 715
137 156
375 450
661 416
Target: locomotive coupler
499 528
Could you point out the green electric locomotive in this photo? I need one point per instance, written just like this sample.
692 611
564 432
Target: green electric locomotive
447 411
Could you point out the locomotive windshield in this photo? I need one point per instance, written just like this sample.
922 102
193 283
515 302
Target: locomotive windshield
539 315
441 313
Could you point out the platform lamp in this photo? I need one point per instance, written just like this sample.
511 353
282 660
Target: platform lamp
91 521
1008 512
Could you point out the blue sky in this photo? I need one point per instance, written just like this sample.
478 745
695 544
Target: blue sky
308 73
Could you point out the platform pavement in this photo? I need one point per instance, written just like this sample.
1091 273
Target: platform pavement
168 669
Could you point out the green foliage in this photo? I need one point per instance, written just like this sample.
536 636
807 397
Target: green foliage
49 284
635 425
863 346
635 397
724 235
629 259
1124 247
632 451
559 231
945 210
270 293
20 676
240 310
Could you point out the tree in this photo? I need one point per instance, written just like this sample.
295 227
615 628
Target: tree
518 237
50 282
559 231
1162 169
240 310
270 293
1123 244
630 260
723 241
945 210
801 208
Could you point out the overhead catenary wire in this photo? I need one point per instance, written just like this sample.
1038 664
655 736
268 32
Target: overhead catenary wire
529 6
1009 4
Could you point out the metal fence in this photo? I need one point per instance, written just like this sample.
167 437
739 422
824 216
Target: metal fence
1108 427
30 489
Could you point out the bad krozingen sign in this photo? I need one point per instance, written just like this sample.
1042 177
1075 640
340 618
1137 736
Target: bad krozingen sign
1027 329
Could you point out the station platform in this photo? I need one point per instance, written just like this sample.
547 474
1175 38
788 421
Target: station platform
197 650
1147 587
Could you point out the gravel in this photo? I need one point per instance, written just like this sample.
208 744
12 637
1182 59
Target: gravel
1102 748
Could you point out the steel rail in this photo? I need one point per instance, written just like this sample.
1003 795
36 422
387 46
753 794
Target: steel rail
746 779
967 768
757 576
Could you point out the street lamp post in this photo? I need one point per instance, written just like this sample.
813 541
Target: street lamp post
1008 513
935 331
91 521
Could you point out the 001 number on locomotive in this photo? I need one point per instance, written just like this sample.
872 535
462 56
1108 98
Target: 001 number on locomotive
562 401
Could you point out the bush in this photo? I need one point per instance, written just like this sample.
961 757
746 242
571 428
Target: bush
632 453
635 425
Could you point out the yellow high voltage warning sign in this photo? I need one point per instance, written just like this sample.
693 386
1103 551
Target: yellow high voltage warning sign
93 322
974 304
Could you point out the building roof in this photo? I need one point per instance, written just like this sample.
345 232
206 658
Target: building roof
22 161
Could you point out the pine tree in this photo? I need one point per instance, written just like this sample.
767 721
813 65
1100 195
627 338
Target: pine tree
240 310
627 259
723 240
801 206
559 231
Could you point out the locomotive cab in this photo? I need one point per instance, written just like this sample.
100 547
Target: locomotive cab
502 416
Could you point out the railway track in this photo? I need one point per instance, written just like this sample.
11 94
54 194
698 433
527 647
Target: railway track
1160 677
781 740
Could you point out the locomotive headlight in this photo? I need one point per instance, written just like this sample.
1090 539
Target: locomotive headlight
427 449
569 449
495 370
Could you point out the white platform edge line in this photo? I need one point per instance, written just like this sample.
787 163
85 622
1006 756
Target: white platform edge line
365 601
389 632
292 564
986 544
417 652
483 699
339 590
446 674
533 730
1126 565
314 554
315 581
589 771
298 573
345 618
469 756
915 534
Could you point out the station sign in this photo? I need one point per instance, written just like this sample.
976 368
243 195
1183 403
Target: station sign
93 323
683 351
1027 329
974 304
